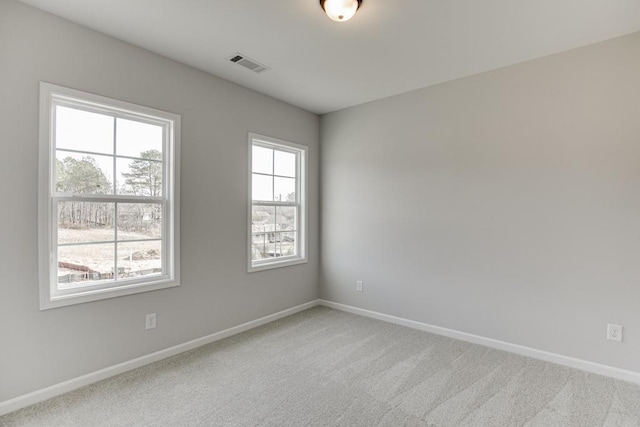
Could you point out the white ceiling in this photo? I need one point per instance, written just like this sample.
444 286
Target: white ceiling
389 47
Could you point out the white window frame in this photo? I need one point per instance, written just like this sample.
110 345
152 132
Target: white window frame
301 202
50 294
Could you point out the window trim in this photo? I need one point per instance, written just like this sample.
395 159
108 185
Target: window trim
50 297
301 188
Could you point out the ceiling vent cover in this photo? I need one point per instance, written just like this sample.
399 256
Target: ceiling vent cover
249 63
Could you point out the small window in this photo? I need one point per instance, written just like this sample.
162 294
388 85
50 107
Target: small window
108 220
277 194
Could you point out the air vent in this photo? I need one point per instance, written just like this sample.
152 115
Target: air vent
249 63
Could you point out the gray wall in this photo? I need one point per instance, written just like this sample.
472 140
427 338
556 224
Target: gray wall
505 204
40 348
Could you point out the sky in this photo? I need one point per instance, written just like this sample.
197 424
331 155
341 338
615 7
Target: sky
92 132
274 174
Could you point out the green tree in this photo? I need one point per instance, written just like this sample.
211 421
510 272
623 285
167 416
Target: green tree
61 175
145 176
81 177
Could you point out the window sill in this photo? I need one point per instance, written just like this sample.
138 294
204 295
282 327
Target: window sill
276 264
87 295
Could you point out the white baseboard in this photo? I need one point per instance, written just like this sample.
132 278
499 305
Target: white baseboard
571 362
75 383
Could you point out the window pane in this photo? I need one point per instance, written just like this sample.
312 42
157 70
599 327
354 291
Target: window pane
137 139
84 131
286 224
285 164
137 259
263 215
273 231
138 221
286 218
83 222
263 224
288 245
83 173
284 189
140 177
262 159
84 263
262 187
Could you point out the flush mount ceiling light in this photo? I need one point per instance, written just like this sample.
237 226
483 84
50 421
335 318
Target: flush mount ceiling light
340 10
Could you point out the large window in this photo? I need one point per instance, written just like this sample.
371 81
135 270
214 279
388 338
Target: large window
277 192
108 220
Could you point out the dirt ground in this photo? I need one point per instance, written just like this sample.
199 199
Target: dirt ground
133 258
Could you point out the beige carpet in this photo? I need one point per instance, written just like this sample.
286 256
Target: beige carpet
325 367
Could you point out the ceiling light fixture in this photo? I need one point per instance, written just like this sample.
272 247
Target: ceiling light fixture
340 10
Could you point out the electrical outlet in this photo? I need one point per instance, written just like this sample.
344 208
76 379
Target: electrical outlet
359 284
150 321
614 332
